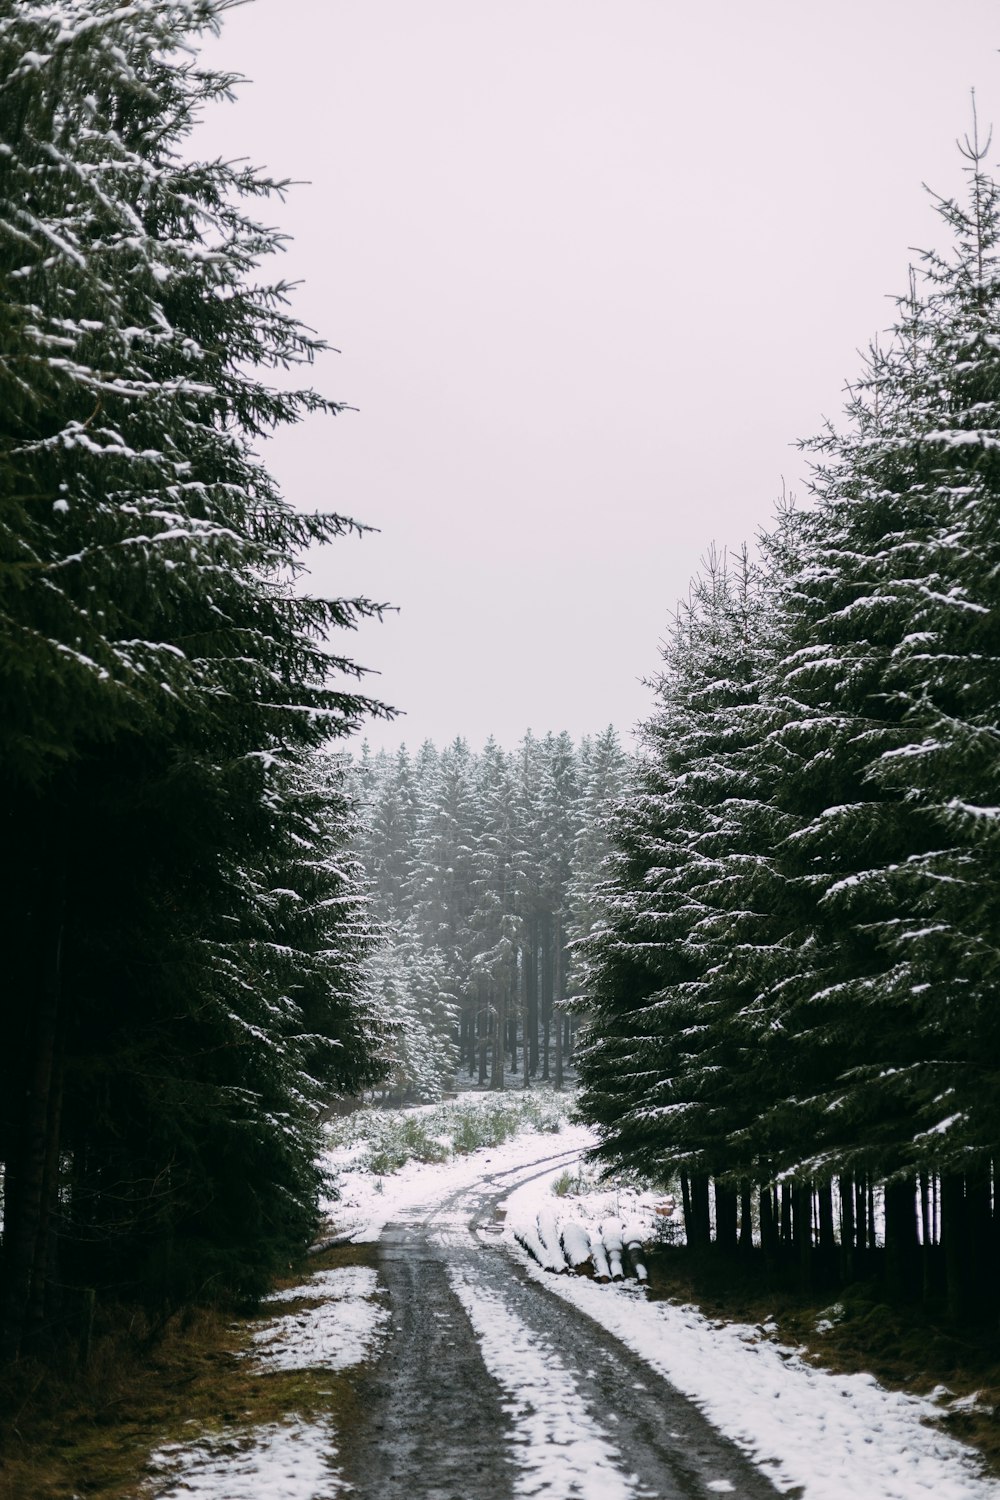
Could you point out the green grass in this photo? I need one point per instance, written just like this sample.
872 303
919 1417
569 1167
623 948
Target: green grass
391 1138
88 1434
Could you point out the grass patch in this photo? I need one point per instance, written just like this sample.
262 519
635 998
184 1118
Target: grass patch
89 1434
388 1139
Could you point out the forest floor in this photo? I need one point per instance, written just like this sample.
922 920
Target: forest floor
430 1358
854 1331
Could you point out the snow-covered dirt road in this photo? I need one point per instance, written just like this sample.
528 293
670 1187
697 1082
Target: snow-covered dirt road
489 1386
476 1374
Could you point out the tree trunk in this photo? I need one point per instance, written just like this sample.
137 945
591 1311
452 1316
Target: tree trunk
531 996
827 1234
557 959
699 1224
926 1239
482 1017
498 1078
954 1237
725 1218
547 988
803 1205
746 1216
36 1141
768 1223
901 1248
847 1231
861 1221
786 1214
979 1219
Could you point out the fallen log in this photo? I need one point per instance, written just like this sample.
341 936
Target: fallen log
548 1233
602 1271
527 1237
633 1235
576 1245
611 1234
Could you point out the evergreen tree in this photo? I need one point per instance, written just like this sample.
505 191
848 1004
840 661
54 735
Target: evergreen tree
668 1067
179 1003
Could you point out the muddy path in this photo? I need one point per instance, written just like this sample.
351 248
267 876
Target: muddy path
557 1407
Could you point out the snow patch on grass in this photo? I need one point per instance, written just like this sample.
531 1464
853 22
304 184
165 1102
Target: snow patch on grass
384 1140
339 1330
499 1131
282 1461
340 1326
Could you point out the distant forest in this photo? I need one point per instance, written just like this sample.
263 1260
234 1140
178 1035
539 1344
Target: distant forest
481 869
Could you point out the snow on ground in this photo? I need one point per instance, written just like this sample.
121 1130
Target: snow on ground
367 1202
835 1436
338 1327
829 1436
288 1461
559 1449
342 1325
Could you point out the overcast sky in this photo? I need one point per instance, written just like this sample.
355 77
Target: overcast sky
593 267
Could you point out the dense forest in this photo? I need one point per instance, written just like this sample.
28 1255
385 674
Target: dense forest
795 995
480 870
768 946
183 937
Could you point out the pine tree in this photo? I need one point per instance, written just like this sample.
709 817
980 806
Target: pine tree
163 685
894 731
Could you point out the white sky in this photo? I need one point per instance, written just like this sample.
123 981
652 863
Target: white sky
594 266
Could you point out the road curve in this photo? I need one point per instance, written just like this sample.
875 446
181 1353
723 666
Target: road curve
557 1407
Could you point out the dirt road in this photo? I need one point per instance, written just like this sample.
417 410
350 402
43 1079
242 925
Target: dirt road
489 1387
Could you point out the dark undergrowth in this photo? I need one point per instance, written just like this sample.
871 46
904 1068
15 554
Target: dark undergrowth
909 1348
68 1434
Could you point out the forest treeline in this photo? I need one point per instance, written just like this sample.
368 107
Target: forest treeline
213 926
480 870
183 941
796 995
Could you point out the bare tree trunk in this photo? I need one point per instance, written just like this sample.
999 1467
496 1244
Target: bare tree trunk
827 1234
768 1223
498 1080
483 1019
546 992
558 960
954 1234
531 996
36 1143
746 1216
847 1230
802 1204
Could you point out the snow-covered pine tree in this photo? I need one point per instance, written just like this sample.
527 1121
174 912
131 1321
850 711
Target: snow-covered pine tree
557 825
441 883
389 829
496 918
895 730
160 678
412 987
669 1060
603 772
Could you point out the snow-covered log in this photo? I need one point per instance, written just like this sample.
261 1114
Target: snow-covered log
633 1236
611 1234
634 1232
548 1233
602 1270
576 1244
528 1238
